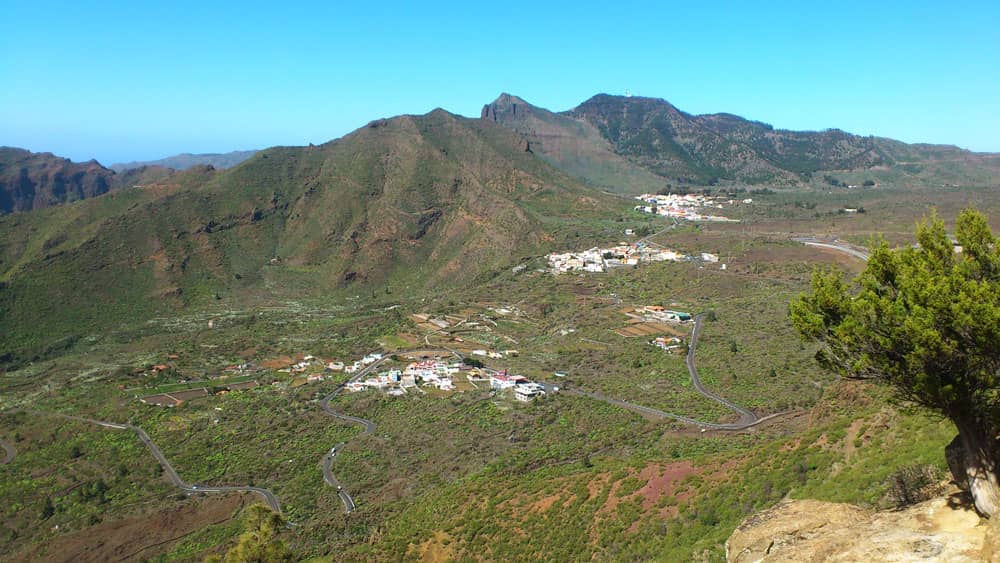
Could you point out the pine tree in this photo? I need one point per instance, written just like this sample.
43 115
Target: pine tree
926 321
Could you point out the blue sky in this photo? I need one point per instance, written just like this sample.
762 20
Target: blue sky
126 80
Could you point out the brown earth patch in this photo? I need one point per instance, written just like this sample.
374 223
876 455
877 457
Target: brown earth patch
662 480
136 536
791 446
596 485
544 504
852 433
277 363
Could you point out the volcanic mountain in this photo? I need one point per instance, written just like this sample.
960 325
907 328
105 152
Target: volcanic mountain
37 180
413 201
635 144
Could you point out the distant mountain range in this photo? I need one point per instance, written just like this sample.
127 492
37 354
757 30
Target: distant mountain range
188 160
411 202
631 144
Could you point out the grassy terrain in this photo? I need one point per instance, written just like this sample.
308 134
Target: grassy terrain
471 474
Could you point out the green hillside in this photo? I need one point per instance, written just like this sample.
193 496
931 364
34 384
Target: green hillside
409 202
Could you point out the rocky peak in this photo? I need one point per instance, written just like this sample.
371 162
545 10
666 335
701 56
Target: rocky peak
505 108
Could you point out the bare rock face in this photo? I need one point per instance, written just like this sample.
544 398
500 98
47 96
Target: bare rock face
991 543
792 522
943 529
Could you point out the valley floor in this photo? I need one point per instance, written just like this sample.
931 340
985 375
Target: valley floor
636 449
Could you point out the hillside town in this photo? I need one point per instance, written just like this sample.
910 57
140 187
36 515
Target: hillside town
687 206
602 259
622 255
441 375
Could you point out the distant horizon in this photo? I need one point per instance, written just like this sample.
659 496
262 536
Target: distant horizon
154 157
119 82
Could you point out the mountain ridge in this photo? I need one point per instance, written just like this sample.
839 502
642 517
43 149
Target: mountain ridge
659 144
30 180
412 201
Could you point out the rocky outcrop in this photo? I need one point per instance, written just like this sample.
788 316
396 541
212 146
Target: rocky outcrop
35 180
942 529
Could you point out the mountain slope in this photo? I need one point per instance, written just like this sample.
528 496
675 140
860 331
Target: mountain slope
38 180
652 143
187 160
572 145
410 202
35 180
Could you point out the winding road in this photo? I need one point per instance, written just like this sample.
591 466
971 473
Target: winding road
10 452
171 473
369 427
747 417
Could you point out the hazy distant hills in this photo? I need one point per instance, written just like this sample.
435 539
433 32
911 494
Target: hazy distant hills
418 201
634 144
187 160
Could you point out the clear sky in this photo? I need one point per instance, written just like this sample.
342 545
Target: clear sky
141 80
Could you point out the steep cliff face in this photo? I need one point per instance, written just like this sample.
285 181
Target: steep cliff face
572 145
34 180
942 529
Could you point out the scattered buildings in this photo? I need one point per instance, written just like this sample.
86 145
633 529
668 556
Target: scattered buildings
528 392
668 343
602 259
428 372
687 206
661 314
524 389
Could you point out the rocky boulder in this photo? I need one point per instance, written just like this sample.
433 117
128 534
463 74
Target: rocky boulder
942 529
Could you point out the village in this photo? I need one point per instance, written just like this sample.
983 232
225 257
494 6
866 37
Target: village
448 376
687 206
597 260
407 372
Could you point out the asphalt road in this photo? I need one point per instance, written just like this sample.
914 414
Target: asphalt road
834 244
747 417
10 452
168 469
369 427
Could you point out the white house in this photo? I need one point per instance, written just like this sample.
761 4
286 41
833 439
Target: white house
526 392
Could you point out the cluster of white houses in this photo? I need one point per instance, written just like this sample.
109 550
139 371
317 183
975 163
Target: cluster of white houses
686 206
601 259
436 373
525 390
441 375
